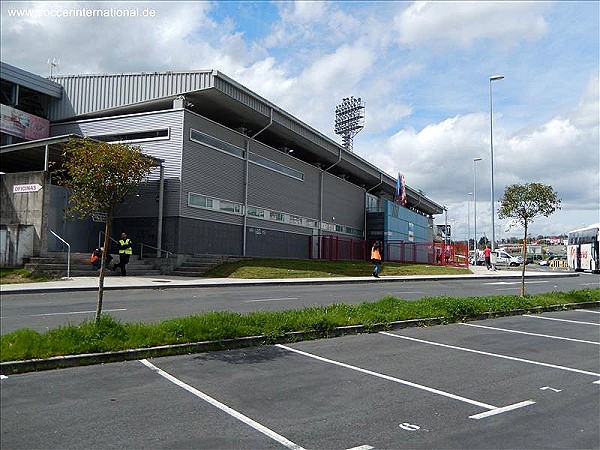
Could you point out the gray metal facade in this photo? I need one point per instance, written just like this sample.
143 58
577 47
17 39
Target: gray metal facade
259 199
215 95
169 150
192 167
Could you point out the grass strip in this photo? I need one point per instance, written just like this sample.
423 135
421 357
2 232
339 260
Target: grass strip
14 276
299 268
111 335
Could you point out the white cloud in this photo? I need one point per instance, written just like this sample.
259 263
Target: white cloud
563 153
462 23
425 114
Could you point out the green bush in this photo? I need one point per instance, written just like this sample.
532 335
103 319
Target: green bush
109 334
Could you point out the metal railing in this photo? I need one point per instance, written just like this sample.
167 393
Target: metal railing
68 252
167 252
142 245
101 242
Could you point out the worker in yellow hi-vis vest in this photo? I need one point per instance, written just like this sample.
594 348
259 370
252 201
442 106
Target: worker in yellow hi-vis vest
125 252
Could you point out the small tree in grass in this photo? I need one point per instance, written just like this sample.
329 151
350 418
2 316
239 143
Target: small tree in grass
100 175
523 203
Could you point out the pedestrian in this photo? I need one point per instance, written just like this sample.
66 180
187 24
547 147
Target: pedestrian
125 252
376 258
96 258
487 254
109 258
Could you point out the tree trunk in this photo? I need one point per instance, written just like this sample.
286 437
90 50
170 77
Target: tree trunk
103 264
524 254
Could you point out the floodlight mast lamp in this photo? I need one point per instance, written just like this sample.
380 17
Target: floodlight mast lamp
349 119
475 160
492 78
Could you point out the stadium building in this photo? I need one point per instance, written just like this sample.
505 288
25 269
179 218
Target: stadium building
235 175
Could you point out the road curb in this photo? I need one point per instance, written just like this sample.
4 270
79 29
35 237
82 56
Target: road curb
62 362
289 281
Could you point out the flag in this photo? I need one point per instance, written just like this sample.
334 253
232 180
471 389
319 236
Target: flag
401 189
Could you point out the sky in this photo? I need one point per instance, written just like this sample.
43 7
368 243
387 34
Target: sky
422 70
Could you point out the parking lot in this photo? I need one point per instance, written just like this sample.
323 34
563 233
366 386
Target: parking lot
530 381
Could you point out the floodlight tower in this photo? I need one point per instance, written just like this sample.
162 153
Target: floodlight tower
349 120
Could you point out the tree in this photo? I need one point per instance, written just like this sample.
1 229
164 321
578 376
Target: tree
523 203
100 175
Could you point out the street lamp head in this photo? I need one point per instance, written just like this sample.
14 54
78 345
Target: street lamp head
496 77
477 159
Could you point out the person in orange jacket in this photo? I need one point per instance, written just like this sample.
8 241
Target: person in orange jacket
376 258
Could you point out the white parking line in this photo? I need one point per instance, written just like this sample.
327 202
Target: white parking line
270 299
561 320
232 412
493 412
495 355
408 383
64 313
588 311
531 334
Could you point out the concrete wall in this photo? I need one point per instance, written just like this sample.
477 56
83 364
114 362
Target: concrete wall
22 216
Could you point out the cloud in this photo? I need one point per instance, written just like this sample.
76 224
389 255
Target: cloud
421 69
181 38
563 152
462 23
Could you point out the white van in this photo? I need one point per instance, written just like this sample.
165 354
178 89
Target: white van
505 259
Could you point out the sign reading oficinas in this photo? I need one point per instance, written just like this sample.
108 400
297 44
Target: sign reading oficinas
26 188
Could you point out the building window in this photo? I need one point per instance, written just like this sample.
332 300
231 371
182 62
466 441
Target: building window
295 220
199 201
230 207
215 143
134 136
278 216
277 167
256 212
215 204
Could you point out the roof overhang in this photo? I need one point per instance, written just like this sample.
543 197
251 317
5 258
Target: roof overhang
38 155
30 81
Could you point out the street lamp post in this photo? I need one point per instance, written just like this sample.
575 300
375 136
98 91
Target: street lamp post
469 195
475 206
492 78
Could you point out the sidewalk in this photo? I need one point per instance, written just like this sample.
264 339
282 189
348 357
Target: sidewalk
164 282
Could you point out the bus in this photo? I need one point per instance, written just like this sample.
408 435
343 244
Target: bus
582 249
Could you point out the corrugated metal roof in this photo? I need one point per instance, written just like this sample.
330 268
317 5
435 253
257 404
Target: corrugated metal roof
85 94
30 81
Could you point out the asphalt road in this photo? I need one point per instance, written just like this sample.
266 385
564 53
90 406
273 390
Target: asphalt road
44 311
520 382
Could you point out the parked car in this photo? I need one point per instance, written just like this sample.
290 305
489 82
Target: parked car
505 259
480 258
546 262
533 258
